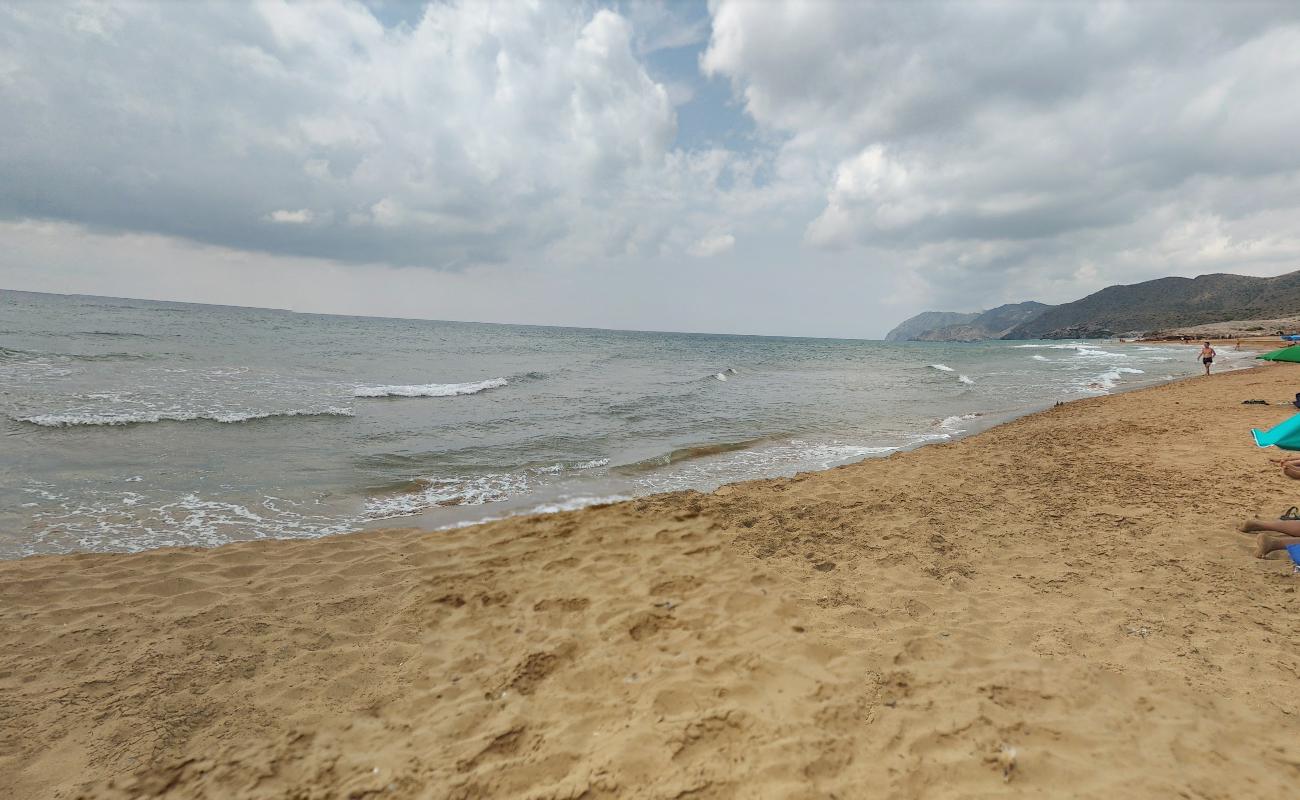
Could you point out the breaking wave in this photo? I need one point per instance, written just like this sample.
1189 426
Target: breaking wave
73 419
692 452
430 389
1108 380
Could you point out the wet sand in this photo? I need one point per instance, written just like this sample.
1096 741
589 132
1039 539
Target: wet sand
1057 607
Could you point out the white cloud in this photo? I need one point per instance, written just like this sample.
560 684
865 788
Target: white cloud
1017 143
481 133
713 245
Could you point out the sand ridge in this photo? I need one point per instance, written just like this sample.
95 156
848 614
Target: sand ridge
1056 607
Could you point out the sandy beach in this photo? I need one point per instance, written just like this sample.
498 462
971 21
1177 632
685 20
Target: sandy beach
1057 607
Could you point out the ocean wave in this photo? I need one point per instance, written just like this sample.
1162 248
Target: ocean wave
427 493
1037 357
760 462
951 424
111 418
1081 349
113 520
942 367
10 355
429 389
1058 346
555 469
965 380
576 503
1092 352
121 334
680 454
1108 380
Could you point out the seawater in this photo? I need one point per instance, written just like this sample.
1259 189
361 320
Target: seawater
132 424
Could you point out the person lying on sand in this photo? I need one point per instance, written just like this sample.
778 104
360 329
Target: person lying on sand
1290 466
1265 544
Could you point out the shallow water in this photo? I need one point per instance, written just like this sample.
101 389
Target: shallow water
132 424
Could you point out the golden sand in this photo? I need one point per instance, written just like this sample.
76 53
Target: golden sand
1058 607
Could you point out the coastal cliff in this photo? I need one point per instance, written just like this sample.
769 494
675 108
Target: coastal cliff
1124 310
941 326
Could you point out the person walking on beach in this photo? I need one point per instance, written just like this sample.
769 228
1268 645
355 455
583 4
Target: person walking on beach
1207 357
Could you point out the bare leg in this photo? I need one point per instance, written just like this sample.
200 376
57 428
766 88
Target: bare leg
1286 527
1266 544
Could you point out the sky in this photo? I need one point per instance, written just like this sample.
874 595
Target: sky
736 166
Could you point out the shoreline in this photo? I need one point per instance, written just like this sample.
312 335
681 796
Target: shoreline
1065 586
983 422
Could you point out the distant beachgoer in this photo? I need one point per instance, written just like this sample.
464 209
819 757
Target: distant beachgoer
1238 344
1207 357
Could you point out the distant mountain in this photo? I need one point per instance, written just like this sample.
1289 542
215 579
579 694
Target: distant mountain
1166 303
945 326
910 329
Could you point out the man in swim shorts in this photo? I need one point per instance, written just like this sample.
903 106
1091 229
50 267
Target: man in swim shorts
1207 357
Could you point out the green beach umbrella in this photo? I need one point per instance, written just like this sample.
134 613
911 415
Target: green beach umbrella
1291 353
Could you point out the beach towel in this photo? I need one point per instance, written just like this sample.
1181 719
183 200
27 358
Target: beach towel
1285 435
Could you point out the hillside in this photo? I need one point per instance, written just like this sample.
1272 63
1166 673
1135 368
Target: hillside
910 329
943 326
1166 303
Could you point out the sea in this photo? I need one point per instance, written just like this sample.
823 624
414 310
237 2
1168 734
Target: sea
133 424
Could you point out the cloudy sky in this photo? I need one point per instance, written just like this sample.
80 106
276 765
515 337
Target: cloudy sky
804 168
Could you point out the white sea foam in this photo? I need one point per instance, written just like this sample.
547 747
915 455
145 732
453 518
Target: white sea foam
429 389
1054 346
72 419
952 423
575 503
438 492
1108 380
1081 349
720 376
106 520
1039 358
965 380
782 459
942 367
555 469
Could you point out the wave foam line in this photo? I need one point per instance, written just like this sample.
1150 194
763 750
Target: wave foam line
430 389
144 418
1110 379
440 492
